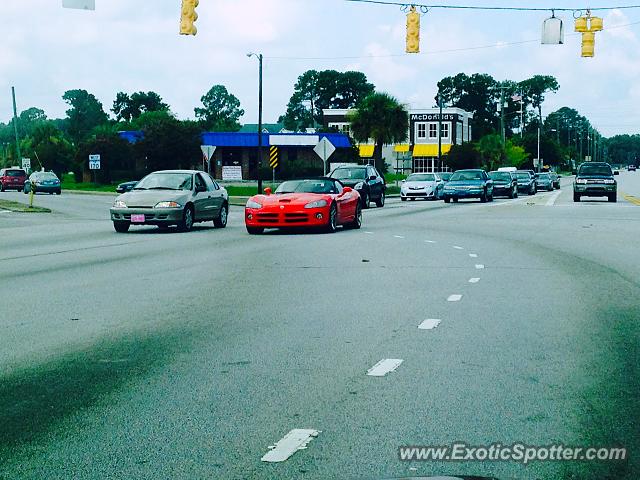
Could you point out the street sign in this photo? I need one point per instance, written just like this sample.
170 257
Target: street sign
26 164
79 4
207 155
231 172
324 149
273 157
94 162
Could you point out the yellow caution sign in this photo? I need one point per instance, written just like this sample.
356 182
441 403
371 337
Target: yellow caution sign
273 157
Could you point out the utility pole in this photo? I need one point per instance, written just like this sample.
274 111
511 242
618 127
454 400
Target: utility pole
259 57
521 115
558 128
539 162
440 131
15 122
502 113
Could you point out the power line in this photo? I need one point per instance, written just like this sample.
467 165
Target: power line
494 8
434 52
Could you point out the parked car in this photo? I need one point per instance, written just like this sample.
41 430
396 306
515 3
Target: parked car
445 176
472 183
526 182
172 197
323 203
422 185
12 179
631 168
555 180
504 183
545 181
595 179
364 179
126 186
43 182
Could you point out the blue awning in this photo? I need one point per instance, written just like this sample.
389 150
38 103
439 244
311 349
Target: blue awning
233 139
339 140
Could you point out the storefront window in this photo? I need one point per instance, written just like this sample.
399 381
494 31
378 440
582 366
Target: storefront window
445 129
433 130
421 130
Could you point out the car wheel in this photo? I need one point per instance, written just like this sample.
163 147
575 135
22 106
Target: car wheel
121 227
332 223
455 199
365 200
490 198
1 187
447 199
576 197
613 198
221 221
380 201
404 199
58 192
357 221
255 230
186 223
483 197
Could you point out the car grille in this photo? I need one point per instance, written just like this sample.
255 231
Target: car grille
594 180
295 217
291 218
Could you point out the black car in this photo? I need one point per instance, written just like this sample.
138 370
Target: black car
365 179
126 187
595 179
631 168
504 183
526 181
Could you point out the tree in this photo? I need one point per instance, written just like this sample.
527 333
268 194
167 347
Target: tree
128 108
535 88
221 110
116 155
380 117
623 149
48 148
315 91
550 151
514 155
463 156
85 114
29 118
491 150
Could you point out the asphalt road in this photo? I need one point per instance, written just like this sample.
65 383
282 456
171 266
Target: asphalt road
165 355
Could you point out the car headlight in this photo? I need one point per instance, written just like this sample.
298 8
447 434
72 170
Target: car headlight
119 204
581 181
609 181
253 204
167 205
316 204
357 186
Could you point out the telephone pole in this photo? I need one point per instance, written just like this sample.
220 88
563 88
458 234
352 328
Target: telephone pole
15 122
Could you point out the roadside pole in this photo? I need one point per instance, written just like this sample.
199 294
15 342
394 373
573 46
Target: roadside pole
15 121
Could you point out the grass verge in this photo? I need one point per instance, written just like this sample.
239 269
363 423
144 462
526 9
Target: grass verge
21 207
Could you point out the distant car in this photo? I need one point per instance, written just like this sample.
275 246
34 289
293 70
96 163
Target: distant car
504 183
507 169
526 182
555 180
445 176
472 183
422 185
631 168
595 179
322 203
126 187
12 179
364 179
172 197
545 181
43 182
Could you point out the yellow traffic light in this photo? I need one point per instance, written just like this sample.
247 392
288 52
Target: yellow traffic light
588 25
188 17
413 31
588 44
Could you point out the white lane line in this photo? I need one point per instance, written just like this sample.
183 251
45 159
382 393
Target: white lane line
454 298
429 241
369 233
398 236
457 247
474 280
296 439
429 323
479 266
552 199
384 366
473 255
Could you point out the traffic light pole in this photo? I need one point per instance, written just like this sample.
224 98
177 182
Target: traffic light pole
260 124
440 132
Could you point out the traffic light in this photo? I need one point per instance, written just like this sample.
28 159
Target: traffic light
413 31
188 17
587 26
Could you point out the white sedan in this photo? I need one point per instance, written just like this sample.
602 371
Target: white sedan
422 185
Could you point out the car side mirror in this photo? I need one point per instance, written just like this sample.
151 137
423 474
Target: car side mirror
372 177
347 190
267 191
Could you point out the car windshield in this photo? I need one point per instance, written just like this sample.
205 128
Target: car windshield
544 176
445 176
349 173
421 177
166 181
307 186
466 175
597 170
500 176
15 173
523 175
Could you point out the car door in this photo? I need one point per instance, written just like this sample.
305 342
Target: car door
202 199
345 209
375 183
215 193
488 182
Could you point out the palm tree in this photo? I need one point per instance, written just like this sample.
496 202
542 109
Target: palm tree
380 117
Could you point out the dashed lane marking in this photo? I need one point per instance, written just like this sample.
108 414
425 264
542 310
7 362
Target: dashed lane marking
369 233
429 241
458 247
474 280
296 439
384 366
473 255
552 199
479 266
429 324
398 236
454 298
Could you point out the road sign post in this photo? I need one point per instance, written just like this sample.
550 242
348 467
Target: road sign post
94 164
26 164
273 161
324 149
207 155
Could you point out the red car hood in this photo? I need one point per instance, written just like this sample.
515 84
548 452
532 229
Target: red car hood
294 199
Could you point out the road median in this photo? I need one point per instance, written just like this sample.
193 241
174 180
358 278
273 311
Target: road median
21 207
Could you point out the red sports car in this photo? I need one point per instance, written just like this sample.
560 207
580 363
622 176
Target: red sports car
317 202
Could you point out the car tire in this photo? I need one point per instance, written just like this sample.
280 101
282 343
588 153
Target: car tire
357 221
186 223
221 220
447 199
365 200
511 194
490 198
254 230
380 201
455 199
58 192
121 227
576 197
483 197
332 222
1 187
612 198
404 199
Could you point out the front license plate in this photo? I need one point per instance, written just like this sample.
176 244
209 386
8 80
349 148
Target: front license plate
137 218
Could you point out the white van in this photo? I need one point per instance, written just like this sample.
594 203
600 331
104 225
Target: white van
507 169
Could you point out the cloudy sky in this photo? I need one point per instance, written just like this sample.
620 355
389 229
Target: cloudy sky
132 45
